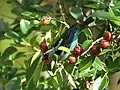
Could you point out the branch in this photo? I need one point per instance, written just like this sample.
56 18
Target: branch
91 46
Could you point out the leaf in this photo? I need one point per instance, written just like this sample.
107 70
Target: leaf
8 63
87 73
24 26
10 50
64 49
88 32
59 78
35 56
37 72
13 34
71 81
104 15
101 83
104 82
97 82
13 84
75 12
46 28
55 82
53 22
27 13
19 55
34 23
85 63
105 51
95 6
86 44
117 5
34 71
99 65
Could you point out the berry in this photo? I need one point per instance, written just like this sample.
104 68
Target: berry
43 46
77 51
45 22
104 44
107 36
71 59
95 50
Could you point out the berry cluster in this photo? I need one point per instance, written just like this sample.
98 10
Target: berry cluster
104 43
95 50
75 53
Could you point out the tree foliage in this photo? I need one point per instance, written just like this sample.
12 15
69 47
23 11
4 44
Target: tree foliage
23 65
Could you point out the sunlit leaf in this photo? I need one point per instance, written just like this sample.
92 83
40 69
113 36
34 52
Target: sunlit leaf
85 63
71 81
75 12
86 43
99 65
64 49
24 26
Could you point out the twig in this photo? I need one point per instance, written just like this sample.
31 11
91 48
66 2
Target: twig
92 45
61 10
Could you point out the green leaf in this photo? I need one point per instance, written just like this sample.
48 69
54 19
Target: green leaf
8 63
37 72
53 22
55 82
19 55
101 83
85 63
104 15
46 28
13 84
10 50
34 23
59 78
88 32
96 83
99 65
117 5
104 83
64 49
33 72
75 12
24 26
86 44
35 56
27 13
87 73
71 81
95 6
105 51
13 34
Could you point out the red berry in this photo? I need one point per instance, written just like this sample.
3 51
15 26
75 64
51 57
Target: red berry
95 50
44 22
71 59
107 36
104 44
43 46
77 51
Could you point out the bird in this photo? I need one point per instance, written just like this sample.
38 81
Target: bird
68 39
